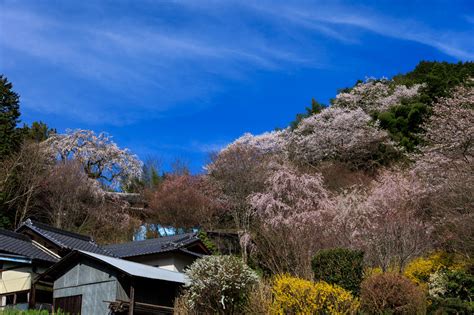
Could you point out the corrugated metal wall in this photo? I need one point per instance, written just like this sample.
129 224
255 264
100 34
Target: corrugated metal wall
95 283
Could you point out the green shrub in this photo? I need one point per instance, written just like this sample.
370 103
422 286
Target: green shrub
451 292
340 266
29 312
391 293
208 242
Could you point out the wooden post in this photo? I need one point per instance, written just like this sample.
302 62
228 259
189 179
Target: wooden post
32 298
132 298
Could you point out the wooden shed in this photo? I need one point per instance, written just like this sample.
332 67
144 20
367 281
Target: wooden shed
90 283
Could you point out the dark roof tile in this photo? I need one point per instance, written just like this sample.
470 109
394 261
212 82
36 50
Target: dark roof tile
64 239
152 246
18 244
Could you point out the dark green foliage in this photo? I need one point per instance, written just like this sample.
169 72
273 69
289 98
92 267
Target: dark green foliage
340 266
208 242
150 178
459 295
5 222
9 137
315 108
403 122
440 78
39 131
451 306
9 117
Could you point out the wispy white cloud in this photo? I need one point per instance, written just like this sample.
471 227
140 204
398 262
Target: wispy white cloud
328 20
133 59
160 62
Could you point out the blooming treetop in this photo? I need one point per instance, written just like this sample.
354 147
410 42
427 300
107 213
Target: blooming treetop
337 133
448 153
389 229
450 130
290 197
375 95
100 157
268 142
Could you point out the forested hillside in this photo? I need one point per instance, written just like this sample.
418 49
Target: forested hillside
385 170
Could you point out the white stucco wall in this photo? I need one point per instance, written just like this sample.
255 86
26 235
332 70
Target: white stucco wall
170 261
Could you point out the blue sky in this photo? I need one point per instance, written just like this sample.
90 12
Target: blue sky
178 79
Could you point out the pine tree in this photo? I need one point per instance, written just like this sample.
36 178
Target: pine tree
9 117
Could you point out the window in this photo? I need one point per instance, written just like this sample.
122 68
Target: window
14 298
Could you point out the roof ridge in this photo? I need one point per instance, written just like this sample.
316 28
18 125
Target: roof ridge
163 239
15 235
53 229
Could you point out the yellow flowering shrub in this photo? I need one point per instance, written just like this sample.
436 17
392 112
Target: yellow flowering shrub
298 296
420 269
370 271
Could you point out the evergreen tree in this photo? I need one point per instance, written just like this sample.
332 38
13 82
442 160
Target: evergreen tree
39 131
315 108
9 117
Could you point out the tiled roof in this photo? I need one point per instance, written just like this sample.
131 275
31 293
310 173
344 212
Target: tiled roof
63 239
18 244
152 246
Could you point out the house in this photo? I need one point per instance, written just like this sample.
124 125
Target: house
59 241
39 262
21 260
27 253
89 283
170 252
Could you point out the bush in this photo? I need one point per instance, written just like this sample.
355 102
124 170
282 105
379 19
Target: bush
420 269
450 306
340 266
260 299
297 296
451 291
208 242
219 284
391 293
182 305
29 312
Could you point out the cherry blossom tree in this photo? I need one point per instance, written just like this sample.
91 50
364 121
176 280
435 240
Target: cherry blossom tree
340 134
100 157
450 129
446 169
393 232
268 142
291 214
375 95
383 220
290 197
